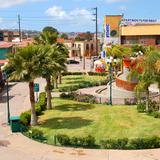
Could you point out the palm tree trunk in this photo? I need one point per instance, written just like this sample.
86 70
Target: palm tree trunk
159 96
55 82
147 100
60 78
48 90
32 101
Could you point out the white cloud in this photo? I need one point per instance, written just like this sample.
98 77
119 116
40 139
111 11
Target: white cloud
10 3
114 1
79 16
122 8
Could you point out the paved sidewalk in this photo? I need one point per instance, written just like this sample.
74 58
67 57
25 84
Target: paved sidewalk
18 147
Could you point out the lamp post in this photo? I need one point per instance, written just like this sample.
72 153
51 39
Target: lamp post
110 79
8 108
5 77
110 61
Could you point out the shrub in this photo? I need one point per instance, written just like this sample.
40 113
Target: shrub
25 118
72 73
36 134
96 74
153 106
155 114
42 101
141 143
114 143
70 95
130 101
63 139
38 109
87 141
141 107
85 98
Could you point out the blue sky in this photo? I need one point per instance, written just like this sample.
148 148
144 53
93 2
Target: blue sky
71 15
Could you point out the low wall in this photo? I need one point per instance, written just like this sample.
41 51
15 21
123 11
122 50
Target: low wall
129 86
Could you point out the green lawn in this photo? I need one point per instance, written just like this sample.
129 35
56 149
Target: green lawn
75 81
102 121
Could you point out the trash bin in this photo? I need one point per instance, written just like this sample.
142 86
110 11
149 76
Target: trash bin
15 124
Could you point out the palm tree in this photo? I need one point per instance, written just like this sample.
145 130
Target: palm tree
149 74
118 52
24 67
51 61
53 57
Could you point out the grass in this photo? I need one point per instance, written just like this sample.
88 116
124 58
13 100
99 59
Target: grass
75 81
101 121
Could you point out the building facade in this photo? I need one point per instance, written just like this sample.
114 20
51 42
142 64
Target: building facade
8 36
131 31
80 48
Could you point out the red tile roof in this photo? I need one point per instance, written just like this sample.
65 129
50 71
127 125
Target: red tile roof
5 44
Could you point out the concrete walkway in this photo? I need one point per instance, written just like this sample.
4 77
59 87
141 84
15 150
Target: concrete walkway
19 147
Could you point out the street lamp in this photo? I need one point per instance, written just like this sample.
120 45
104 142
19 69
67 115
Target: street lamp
8 108
7 89
110 61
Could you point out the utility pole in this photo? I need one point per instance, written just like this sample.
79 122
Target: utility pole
96 20
19 25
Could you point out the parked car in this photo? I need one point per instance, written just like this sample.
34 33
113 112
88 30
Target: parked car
71 61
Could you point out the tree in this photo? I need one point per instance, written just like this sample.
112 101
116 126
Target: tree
50 30
51 60
64 35
118 52
149 73
24 67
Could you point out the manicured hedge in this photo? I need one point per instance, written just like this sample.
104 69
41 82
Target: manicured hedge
137 143
81 73
85 142
79 97
82 85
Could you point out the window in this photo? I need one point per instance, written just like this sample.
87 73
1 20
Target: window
87 46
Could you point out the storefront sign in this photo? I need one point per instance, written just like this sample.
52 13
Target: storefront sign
107 31
138 21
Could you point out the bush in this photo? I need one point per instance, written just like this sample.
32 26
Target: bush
70 95
87 141
25 118
63 139
114 143
85 98
42 101
72 73
97 74
153 106
145 143
155 114
36 134
141 107
38 109
130 101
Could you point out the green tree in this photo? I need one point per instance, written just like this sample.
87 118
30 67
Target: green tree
64 35
24 67
149 73
52 59
50 30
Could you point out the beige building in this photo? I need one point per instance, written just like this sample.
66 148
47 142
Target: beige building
81 48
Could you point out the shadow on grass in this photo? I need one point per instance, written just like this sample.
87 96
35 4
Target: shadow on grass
74 107
66 123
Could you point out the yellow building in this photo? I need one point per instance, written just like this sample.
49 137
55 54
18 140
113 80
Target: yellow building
81 48
131 31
